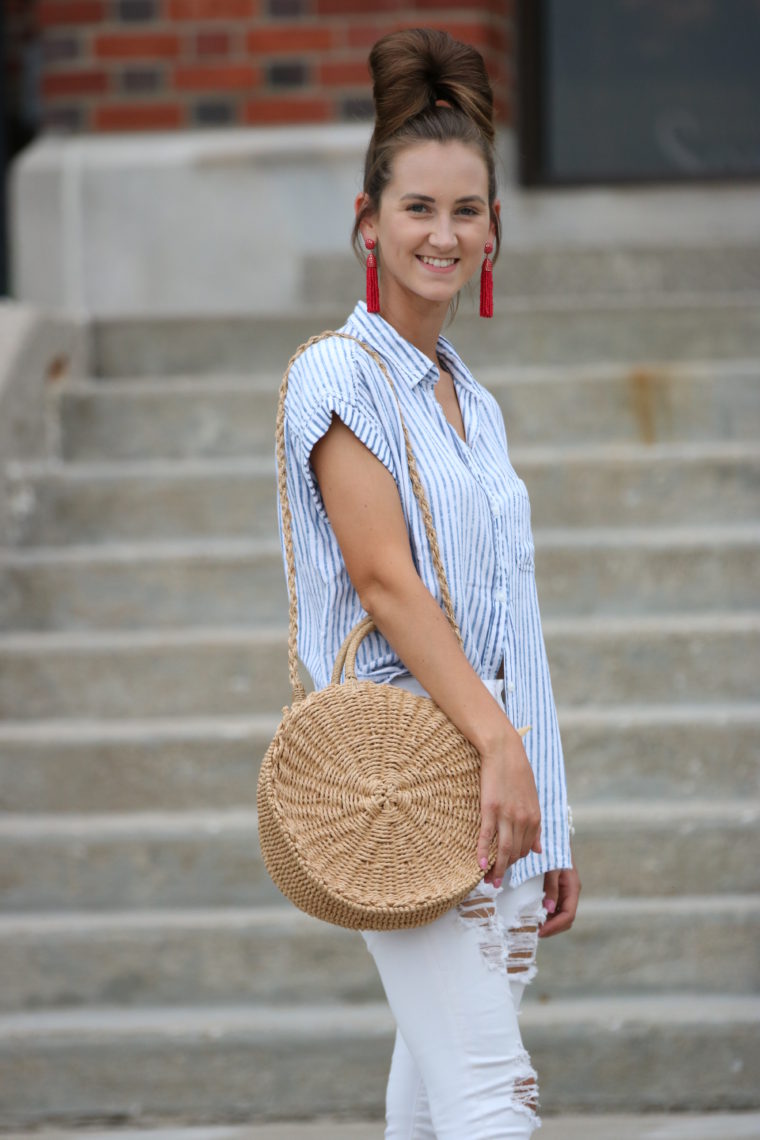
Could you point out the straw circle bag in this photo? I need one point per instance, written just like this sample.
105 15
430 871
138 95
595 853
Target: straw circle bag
368 796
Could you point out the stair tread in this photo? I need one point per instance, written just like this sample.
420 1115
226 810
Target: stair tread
50 827
585 626
740 1125
242 727
281 1022
210 728
214 549
113 387
641 454
289 920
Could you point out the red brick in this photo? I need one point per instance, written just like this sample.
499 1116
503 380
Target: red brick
479 35
224 78
365 35
138 45
345 73
501 40
213 43
435 5
495 7
360 7
63 12
139 117
212 9
75 83
275 112
288 39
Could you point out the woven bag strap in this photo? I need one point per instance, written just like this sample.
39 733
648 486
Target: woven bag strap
287 525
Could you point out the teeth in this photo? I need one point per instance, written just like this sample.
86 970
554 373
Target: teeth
439 262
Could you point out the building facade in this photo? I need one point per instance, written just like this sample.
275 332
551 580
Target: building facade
253 115
142 65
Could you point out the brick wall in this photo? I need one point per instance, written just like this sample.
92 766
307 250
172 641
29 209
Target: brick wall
126 65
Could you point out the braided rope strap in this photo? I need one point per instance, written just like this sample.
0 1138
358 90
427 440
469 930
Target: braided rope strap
287 524
368 796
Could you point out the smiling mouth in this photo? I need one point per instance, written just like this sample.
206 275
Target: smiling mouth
438 262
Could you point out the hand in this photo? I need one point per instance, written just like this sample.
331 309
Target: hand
509 807
561 893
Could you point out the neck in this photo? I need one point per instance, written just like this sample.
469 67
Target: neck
416 320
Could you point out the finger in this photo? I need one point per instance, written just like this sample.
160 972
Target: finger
559 923
504 853
485 838
551 891
530 839
569 888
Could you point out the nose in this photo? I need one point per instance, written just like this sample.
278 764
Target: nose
442 237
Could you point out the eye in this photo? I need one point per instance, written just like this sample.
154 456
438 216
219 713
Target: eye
469 211
417 208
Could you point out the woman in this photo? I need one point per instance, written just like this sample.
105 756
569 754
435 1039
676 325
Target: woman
429 211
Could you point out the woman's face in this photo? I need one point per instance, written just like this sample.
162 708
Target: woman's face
432 223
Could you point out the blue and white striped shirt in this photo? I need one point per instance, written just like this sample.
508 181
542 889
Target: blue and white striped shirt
481 513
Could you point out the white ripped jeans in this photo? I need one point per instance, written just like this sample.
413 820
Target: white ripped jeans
459 1069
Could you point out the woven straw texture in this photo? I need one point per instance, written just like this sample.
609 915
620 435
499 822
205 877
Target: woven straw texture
368 796
369 807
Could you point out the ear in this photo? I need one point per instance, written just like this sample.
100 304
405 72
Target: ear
497 211
367 227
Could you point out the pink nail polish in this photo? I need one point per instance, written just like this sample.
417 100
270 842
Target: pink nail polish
497 882
550 905
483 864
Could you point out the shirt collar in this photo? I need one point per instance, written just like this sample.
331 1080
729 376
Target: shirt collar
402 356
410 362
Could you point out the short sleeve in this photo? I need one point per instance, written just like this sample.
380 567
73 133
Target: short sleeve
325 381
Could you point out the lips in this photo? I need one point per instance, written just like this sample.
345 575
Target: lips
438 262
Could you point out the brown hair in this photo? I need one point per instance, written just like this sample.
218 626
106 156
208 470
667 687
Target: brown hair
427 87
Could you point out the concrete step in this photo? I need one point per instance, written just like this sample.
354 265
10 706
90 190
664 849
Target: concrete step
219 1062
216 581
132 765
657 326
169 418
565 269
225 416
165 764
698 943
205 858
574 1126
661 751
616 485
688 659
139 859
234 955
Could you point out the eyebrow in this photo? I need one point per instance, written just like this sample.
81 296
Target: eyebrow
427 198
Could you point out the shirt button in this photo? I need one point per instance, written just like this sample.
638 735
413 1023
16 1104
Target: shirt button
500 595
510 686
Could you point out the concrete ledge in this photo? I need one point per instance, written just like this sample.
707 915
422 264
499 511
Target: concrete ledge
194 222
37 351
244 221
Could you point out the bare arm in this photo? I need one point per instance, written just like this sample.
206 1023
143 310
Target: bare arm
364 509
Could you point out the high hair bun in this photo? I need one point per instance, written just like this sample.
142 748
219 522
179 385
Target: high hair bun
420 69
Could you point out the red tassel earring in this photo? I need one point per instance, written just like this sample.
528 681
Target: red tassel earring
486 283
373 290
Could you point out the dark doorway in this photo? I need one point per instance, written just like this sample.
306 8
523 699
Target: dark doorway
19 101
638 90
